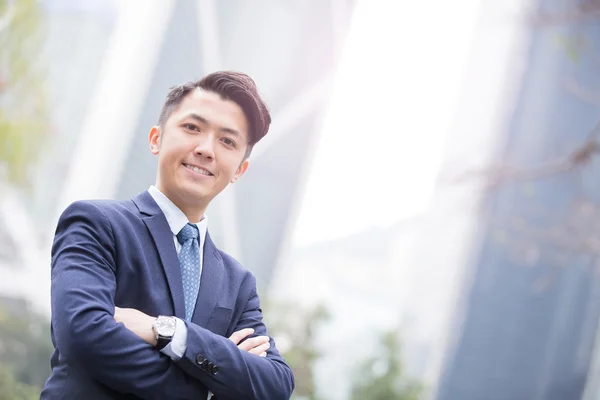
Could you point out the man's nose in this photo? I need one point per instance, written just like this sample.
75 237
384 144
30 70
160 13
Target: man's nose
205 147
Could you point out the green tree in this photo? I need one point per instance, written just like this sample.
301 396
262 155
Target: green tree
382 376
24 345
23 107
11 389
25 349
298 327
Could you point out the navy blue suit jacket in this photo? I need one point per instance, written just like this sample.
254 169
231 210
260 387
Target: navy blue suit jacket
122 253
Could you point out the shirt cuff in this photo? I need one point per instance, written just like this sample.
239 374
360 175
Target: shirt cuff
176 349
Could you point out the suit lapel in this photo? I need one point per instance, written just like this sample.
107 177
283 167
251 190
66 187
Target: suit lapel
210 283
163 240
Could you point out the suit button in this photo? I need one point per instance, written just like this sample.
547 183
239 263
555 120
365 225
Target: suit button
214 370
200 359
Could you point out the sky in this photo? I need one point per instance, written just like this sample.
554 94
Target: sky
391 109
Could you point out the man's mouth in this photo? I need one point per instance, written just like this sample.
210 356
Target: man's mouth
198 170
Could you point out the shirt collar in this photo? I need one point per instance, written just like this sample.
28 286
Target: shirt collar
175 217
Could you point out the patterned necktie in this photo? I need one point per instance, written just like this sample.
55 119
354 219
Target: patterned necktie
189 262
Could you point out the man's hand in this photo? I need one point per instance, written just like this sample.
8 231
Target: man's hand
137 322
256 345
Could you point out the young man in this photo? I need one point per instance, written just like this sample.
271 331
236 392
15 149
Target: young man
143 303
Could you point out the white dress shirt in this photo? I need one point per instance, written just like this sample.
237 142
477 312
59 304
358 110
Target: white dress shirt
177 220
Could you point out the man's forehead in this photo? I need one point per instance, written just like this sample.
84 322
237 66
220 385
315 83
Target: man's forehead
193 104
199 96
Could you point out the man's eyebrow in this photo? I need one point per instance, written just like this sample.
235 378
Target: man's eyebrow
198 118
203 120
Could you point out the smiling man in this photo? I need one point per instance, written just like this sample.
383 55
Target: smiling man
143 303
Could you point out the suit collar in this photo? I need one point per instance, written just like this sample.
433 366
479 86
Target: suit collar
162 236
146 204
212 265
210 283
175 217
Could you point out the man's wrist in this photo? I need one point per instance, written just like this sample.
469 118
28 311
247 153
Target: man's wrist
176 349
154 340
163 330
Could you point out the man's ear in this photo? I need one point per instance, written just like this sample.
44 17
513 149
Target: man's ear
154 139
240 171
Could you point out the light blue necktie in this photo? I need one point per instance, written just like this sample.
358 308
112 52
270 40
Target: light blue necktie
189 262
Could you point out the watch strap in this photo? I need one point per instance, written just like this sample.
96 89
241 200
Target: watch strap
163 341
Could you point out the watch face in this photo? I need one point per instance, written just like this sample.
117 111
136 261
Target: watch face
165 326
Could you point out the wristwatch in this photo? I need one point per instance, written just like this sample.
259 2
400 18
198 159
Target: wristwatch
164 329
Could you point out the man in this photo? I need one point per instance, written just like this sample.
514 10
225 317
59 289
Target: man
143 303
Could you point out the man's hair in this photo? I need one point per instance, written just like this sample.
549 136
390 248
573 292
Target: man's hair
230 85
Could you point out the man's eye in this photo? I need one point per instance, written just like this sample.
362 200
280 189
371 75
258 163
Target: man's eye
228 142
191 127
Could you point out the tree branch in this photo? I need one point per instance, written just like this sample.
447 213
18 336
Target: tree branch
585 10
576 159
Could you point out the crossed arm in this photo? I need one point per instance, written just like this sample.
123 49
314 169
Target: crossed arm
245 374
86 333
141 324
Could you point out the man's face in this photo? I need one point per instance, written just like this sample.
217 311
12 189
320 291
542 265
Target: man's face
200 149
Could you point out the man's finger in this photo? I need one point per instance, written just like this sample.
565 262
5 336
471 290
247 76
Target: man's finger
263 354
237 337
254 342
258 350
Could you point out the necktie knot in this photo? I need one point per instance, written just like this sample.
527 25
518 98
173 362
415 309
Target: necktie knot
189 231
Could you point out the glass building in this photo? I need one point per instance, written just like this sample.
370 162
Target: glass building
527 319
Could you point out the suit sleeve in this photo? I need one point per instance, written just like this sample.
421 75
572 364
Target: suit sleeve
85 332
231 373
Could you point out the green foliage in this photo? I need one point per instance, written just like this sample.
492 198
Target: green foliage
573 45
25 348
11 389
298 327
23 113
382 376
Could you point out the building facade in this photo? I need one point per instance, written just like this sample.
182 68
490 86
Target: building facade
526 323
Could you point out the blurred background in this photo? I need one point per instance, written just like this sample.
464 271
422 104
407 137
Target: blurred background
423 217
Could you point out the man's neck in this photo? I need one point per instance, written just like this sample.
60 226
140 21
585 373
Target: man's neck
194 216
193 212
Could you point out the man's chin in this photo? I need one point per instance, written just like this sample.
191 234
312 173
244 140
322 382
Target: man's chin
195 195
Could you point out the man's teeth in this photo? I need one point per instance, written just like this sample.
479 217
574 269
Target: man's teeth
198 170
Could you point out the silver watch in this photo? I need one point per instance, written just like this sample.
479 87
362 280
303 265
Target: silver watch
164 329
